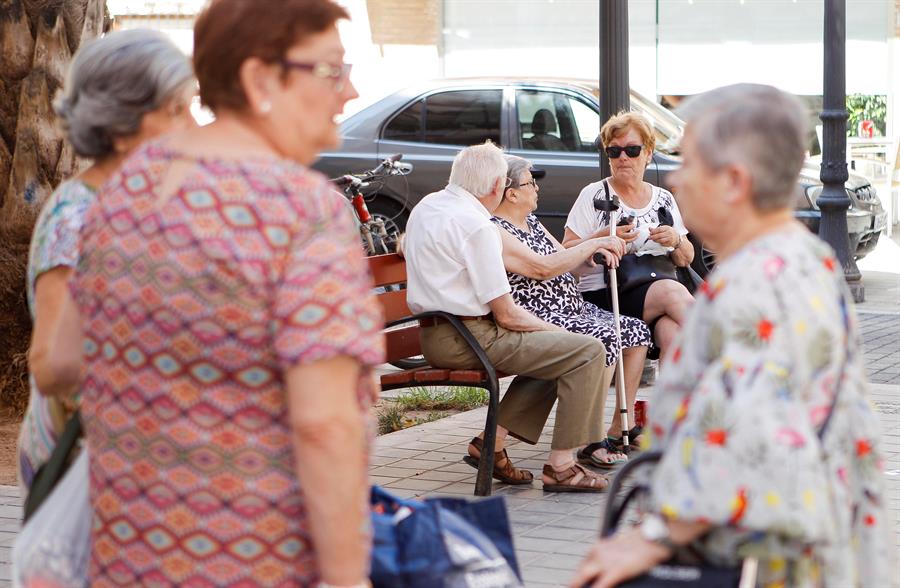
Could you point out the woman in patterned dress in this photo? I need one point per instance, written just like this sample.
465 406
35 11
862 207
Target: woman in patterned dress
229 332
553 296
628 142
770 446
121 90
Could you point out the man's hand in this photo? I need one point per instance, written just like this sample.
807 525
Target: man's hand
513 317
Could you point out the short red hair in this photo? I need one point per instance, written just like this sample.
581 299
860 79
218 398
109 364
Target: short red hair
228 32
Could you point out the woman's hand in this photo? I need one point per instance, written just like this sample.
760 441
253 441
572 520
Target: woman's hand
624 232
665 235
611 248
613 245
619 558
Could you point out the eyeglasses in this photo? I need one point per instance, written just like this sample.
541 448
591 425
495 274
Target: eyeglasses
338 74
614 151
531 182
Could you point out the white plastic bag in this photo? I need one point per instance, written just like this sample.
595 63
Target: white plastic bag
54 546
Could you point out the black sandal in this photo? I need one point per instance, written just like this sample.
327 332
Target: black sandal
633 445
586 455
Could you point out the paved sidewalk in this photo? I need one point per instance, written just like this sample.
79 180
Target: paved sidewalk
552 531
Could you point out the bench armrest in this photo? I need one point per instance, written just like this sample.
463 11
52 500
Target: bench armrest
464 332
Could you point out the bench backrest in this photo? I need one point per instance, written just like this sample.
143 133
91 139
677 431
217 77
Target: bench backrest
389 272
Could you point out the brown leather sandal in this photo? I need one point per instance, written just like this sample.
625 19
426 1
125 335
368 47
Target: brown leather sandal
504 470
575 478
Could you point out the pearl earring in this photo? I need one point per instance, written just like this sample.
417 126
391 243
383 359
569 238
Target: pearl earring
265 107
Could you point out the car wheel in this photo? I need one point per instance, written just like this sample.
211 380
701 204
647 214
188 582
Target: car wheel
704 259
391 212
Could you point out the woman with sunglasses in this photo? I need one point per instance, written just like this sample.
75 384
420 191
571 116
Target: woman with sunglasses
628 141
228 327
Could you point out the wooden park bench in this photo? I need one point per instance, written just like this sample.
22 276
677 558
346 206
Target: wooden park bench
402 338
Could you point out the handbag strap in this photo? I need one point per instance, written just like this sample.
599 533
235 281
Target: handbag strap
51 472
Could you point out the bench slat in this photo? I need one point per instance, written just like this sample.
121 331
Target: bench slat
387 269
402 343
393 304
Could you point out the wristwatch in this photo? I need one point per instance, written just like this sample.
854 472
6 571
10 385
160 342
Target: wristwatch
655 529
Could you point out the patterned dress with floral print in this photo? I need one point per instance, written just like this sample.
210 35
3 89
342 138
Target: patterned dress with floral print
738 408
558 302
195 299
54 243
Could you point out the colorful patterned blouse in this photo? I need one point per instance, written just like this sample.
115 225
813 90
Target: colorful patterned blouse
54 243
195 302
737 409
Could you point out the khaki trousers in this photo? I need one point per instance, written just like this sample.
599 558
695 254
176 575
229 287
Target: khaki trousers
550 365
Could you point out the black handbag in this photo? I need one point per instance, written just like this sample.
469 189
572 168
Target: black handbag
638 270
52 471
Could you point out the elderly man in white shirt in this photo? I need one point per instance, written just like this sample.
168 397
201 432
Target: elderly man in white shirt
455 264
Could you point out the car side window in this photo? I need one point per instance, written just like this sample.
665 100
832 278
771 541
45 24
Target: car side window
551 121
463 117
406 126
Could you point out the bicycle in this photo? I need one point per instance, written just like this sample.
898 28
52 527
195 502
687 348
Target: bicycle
375 237
376 240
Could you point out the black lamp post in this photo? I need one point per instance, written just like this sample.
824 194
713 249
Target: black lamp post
833 201
614 85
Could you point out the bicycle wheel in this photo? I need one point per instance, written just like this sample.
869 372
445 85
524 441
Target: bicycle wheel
410 363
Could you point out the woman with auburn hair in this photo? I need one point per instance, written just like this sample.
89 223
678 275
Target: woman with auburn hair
228 327
656 229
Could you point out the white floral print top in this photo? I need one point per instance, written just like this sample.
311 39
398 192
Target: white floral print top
736 412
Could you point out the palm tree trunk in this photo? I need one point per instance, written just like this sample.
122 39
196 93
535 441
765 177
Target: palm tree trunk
37 40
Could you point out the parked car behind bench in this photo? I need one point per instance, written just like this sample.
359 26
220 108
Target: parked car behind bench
552 122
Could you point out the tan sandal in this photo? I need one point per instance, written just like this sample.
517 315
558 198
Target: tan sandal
504 470
575 478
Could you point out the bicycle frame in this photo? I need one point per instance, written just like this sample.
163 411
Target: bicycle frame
375 237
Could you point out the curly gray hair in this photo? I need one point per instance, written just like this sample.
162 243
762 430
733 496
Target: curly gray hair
113 82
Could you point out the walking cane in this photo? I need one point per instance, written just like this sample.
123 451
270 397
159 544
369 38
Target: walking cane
611 205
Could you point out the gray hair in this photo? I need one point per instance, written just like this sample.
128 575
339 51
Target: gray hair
516 167
759 126
477 168
113 82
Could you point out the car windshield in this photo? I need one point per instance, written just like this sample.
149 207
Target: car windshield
666 124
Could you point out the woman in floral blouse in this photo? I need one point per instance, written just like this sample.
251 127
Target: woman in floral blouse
752 379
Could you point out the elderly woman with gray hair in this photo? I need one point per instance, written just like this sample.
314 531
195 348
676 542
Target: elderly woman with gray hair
540 272
769 444
121 90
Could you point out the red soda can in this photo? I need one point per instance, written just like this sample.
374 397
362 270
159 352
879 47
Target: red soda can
640 413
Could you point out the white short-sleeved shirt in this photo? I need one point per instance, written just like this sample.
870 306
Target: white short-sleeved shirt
584 219
454 255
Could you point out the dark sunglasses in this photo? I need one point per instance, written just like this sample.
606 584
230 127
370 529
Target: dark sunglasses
614 151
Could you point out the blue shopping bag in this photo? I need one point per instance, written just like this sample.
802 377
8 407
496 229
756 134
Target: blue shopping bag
441 542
